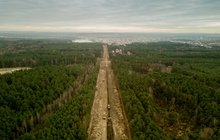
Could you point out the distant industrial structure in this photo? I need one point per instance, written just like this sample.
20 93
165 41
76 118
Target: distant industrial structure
121 52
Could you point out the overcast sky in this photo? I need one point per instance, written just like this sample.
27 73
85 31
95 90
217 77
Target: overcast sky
110 15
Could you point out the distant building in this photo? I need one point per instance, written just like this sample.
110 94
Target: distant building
117 51
82 41
129 53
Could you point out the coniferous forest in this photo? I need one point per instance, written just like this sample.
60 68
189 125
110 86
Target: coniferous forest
109 69
53 98
169 90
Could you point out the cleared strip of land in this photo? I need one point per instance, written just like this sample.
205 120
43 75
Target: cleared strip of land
11 70
108 121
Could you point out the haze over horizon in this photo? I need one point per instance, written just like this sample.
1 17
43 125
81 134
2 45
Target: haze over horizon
172 16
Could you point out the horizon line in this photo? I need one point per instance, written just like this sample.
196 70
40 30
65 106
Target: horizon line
87 32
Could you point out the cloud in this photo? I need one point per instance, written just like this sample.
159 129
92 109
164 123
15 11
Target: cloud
110 15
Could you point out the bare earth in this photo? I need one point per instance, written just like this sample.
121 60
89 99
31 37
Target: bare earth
107 107
10 70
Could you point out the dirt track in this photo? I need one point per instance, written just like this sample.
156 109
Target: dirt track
108 121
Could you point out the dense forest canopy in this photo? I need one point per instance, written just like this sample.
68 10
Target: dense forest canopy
170 90
58 68
32 53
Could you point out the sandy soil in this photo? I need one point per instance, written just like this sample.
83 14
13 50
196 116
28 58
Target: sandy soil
10 70
107 105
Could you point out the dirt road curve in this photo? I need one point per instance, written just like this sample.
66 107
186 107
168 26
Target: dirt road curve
107 118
